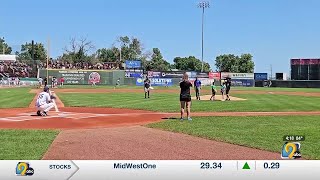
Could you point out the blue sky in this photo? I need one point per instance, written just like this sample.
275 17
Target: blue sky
273 31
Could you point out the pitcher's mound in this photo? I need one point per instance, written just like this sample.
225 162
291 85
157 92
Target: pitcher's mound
218 98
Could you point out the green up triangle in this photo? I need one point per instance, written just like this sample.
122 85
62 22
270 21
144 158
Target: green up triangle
246 166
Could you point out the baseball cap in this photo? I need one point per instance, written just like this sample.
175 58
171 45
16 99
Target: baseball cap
46 88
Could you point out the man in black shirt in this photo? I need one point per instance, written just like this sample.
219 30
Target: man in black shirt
228 87
45 82
146 87
185 96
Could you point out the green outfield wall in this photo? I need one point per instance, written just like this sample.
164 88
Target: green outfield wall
83 77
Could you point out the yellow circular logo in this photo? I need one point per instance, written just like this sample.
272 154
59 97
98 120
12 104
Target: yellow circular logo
139 80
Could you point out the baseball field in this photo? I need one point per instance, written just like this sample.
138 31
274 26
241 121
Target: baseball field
106 123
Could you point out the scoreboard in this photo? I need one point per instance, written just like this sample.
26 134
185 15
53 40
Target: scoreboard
305 69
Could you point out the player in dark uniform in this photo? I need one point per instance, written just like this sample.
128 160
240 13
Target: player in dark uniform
185 96
228 87
45 82
147 87
197 87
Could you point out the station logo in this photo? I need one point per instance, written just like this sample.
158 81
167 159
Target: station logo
24 169
291 150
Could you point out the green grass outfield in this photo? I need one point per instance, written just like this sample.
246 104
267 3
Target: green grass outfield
257 132
169 102
25 144
205 87
279 89
15 97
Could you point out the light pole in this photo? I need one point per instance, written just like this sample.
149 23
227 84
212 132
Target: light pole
3 47
203 5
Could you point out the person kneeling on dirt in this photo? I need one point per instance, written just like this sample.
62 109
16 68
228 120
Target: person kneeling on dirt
44 102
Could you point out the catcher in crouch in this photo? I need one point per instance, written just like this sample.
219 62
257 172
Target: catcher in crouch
44 102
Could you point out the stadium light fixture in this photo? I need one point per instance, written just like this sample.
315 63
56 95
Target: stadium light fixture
203 5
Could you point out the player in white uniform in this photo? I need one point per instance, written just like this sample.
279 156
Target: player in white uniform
40 82
44 102
117 83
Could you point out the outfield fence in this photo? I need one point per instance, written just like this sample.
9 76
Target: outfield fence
83 77
111 77
296 84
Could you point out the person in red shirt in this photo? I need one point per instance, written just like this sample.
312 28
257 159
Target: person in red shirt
61 81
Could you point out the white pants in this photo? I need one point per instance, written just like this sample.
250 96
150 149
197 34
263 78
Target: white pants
45 107
146 89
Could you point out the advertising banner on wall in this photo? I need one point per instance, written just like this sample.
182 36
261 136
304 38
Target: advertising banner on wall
133 64
204 81
242 82
155 82
260 76
202 75
133 74
79 76
214 75
154 74
237 75
173 74
176 74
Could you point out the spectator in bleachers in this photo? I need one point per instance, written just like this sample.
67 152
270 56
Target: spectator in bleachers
17 69
80 66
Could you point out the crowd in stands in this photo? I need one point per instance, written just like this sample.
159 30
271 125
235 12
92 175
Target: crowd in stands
81 65
19 69
15 69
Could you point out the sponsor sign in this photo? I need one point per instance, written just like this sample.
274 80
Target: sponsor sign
134 74
242 82
94 78
133 64
192 74
154 74
261 76
155 82
214 75
78 76
175 74
134 70
202 75
204 81
237 75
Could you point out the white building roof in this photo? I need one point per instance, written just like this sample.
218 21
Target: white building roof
6 57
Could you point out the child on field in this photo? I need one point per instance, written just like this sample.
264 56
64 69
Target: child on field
214 91
223 90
